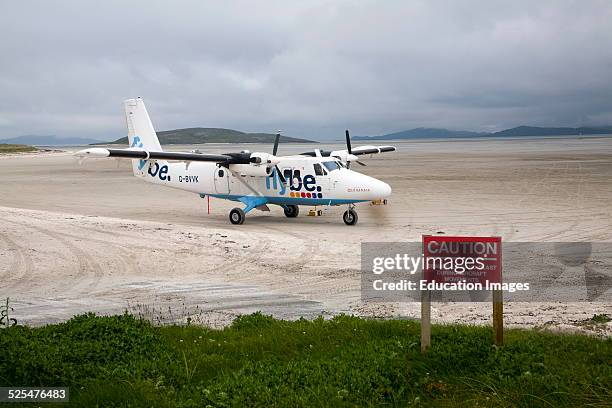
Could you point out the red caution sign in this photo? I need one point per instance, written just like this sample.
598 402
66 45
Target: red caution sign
462 259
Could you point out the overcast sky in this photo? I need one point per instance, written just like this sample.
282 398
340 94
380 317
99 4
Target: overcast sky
311 68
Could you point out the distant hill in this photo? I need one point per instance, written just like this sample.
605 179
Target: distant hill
432 133
214 135
51 140
553 131
424 133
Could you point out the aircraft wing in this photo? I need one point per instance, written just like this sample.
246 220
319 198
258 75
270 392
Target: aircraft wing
98 152
357 151
361 150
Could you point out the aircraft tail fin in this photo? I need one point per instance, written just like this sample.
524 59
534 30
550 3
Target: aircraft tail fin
141 134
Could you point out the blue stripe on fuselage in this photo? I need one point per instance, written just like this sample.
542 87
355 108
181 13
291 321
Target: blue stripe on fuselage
292 200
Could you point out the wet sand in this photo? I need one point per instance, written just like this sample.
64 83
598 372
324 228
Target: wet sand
91 237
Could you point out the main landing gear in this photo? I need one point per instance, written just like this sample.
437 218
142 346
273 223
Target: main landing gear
291 211
237 216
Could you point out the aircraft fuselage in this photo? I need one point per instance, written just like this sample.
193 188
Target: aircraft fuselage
308 181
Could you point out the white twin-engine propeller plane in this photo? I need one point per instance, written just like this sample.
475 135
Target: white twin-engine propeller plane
255 179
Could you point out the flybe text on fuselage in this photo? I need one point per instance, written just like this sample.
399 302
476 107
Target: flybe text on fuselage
296 185
160 171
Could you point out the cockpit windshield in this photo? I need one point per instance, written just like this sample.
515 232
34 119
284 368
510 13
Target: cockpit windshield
332 165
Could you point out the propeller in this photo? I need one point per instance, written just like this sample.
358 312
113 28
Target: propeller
348 142
276 140
274 151
348 147
280 175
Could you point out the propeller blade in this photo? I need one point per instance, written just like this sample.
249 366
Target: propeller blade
348 141
276 140
362 163
348 147
280 175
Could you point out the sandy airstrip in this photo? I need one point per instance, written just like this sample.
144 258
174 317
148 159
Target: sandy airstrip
77 238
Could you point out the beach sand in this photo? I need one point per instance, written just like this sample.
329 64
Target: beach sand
77 238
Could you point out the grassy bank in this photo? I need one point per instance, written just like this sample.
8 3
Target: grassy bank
346 361
15 148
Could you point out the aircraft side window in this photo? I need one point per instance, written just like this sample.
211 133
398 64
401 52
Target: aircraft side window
318 170
330 165
221 173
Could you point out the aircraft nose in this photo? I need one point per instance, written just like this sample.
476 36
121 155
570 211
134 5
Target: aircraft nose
381 189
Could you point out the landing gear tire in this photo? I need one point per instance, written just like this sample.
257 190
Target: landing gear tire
237 216
291 211
350 217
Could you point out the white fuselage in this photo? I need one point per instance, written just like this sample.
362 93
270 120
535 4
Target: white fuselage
309 181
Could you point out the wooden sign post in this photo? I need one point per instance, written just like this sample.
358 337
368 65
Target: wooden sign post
425 320
485 268
498 317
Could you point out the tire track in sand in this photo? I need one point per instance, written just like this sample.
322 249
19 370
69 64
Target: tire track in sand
295 280
234 263
86 263
21 263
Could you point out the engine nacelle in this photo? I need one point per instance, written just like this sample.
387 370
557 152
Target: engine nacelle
265 159
249 169
344 156
96 152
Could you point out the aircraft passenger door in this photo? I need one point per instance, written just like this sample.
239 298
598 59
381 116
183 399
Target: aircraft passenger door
222 181
322 177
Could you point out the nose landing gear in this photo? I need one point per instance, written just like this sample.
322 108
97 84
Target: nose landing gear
350 216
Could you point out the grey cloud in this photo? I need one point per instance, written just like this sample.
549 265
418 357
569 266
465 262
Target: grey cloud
310 68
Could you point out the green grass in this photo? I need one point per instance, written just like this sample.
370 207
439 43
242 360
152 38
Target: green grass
15 148
600 319
346 361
